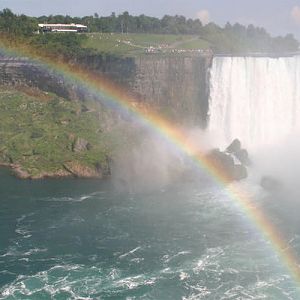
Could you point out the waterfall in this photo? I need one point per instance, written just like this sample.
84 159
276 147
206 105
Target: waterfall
255 99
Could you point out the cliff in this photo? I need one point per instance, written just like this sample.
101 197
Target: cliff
23 72
55 137
176 84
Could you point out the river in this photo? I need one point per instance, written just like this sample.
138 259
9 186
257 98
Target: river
83 239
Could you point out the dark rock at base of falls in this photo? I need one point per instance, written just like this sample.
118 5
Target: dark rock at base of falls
240 172
232 162
225 163
235 148
243 156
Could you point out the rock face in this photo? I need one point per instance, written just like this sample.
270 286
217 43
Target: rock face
70 169
243 156
26 73
78 170
231 162
235 149
240 172
176 84
18 171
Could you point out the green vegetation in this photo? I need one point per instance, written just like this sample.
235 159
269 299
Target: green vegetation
196 43
38 132
239 39
13 25
66 46
125 23
133 44
128 35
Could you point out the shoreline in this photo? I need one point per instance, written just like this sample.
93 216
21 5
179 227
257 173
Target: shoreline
17 172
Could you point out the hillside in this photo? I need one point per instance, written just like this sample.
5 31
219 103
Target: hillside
43 135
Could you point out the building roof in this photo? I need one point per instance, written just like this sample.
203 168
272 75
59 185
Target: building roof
63 25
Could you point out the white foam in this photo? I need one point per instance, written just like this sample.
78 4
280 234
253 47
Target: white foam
255 99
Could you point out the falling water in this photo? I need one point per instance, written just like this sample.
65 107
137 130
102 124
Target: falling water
255 99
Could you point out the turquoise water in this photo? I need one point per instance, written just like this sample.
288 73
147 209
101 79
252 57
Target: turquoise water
82 239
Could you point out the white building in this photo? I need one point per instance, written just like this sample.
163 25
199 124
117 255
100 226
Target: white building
62 28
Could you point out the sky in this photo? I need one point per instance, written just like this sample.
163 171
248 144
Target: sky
279 17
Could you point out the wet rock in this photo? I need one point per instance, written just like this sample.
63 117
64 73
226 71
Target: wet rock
232 162
78 170
105 167
240 172
243 156
234 147
222 160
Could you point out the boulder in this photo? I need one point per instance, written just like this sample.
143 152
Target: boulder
234 147
240 172
242 156
232 162
222 160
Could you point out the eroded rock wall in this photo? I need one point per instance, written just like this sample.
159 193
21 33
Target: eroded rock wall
177 84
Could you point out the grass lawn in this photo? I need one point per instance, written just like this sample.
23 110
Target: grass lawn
136 44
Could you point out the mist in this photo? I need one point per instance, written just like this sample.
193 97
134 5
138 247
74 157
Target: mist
154 162
281 162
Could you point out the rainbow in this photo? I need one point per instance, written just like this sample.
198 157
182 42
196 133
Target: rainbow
116 98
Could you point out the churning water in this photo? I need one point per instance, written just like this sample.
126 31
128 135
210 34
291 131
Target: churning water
79 239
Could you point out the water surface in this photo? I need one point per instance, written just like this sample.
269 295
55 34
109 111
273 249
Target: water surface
82 239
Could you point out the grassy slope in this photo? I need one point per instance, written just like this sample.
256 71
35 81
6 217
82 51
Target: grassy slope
118 43
38 131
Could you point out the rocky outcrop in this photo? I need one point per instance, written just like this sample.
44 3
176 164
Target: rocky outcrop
235 149
79 170
23 72
20 173
243 156
231 167
69 169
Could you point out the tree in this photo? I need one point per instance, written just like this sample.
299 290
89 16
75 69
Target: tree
235 38
17 25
